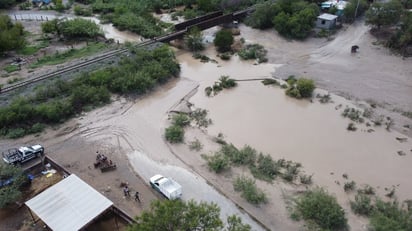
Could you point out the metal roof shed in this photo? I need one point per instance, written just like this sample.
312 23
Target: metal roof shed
69 205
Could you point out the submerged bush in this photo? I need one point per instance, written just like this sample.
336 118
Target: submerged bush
362 205
321 208
301 88
253 51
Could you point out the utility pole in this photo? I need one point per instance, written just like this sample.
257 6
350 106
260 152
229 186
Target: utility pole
356 10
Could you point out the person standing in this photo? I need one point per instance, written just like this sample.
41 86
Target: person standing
136 196
126 191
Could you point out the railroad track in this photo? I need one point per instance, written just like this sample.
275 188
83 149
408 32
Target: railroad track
73 67
203 22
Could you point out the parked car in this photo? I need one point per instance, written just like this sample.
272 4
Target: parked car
166 186
22 154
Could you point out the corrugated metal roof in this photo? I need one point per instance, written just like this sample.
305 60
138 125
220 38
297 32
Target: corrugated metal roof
68 205
326 16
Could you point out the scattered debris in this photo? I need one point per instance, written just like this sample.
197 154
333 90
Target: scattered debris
401 139
401 153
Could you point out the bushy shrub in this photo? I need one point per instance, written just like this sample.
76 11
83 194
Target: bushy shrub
367 189
249 190
174 134
180 120
349 186
362 205
79 28
200 117
301 88
223 40
218 162
82 11
321 208
225 56
305 87
265 169
195 145
388 216
253 51
305 179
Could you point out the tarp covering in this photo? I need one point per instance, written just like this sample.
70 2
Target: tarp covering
69 205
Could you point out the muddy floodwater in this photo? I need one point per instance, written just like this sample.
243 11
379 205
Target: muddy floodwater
311 133
263 117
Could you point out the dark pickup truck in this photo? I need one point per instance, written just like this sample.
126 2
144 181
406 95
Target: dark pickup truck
22 154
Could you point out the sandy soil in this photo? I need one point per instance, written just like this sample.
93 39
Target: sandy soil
313 134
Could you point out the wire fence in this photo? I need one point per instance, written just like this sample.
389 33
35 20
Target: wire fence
31 17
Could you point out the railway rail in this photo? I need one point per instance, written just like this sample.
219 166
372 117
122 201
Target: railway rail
202 22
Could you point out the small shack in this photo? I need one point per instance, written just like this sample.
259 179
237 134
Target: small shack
326 21
69 205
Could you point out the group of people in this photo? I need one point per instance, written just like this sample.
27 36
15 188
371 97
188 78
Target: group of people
102 158
126 192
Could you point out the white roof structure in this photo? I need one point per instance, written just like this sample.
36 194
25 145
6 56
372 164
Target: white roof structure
327 16
69 205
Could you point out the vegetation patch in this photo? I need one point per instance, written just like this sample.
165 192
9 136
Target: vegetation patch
11 193
301 88
292 19
14 80
225 82
270 82
249 190
320 210
253 51
195 145
353 114
223 40
60 100
73 28
32 49
11 68
218 162
62 57
362 205
349 186
182 215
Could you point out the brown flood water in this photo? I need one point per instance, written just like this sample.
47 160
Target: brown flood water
311 133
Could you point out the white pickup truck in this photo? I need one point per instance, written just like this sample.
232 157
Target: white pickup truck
167 187
22 154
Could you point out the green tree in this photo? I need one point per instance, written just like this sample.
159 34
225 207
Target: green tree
223 40
4 4
79 28
11 193
193 39
295 18
354 9
305 87
384 14
235 224
262 16
50 27
321 208
171 215
11 36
